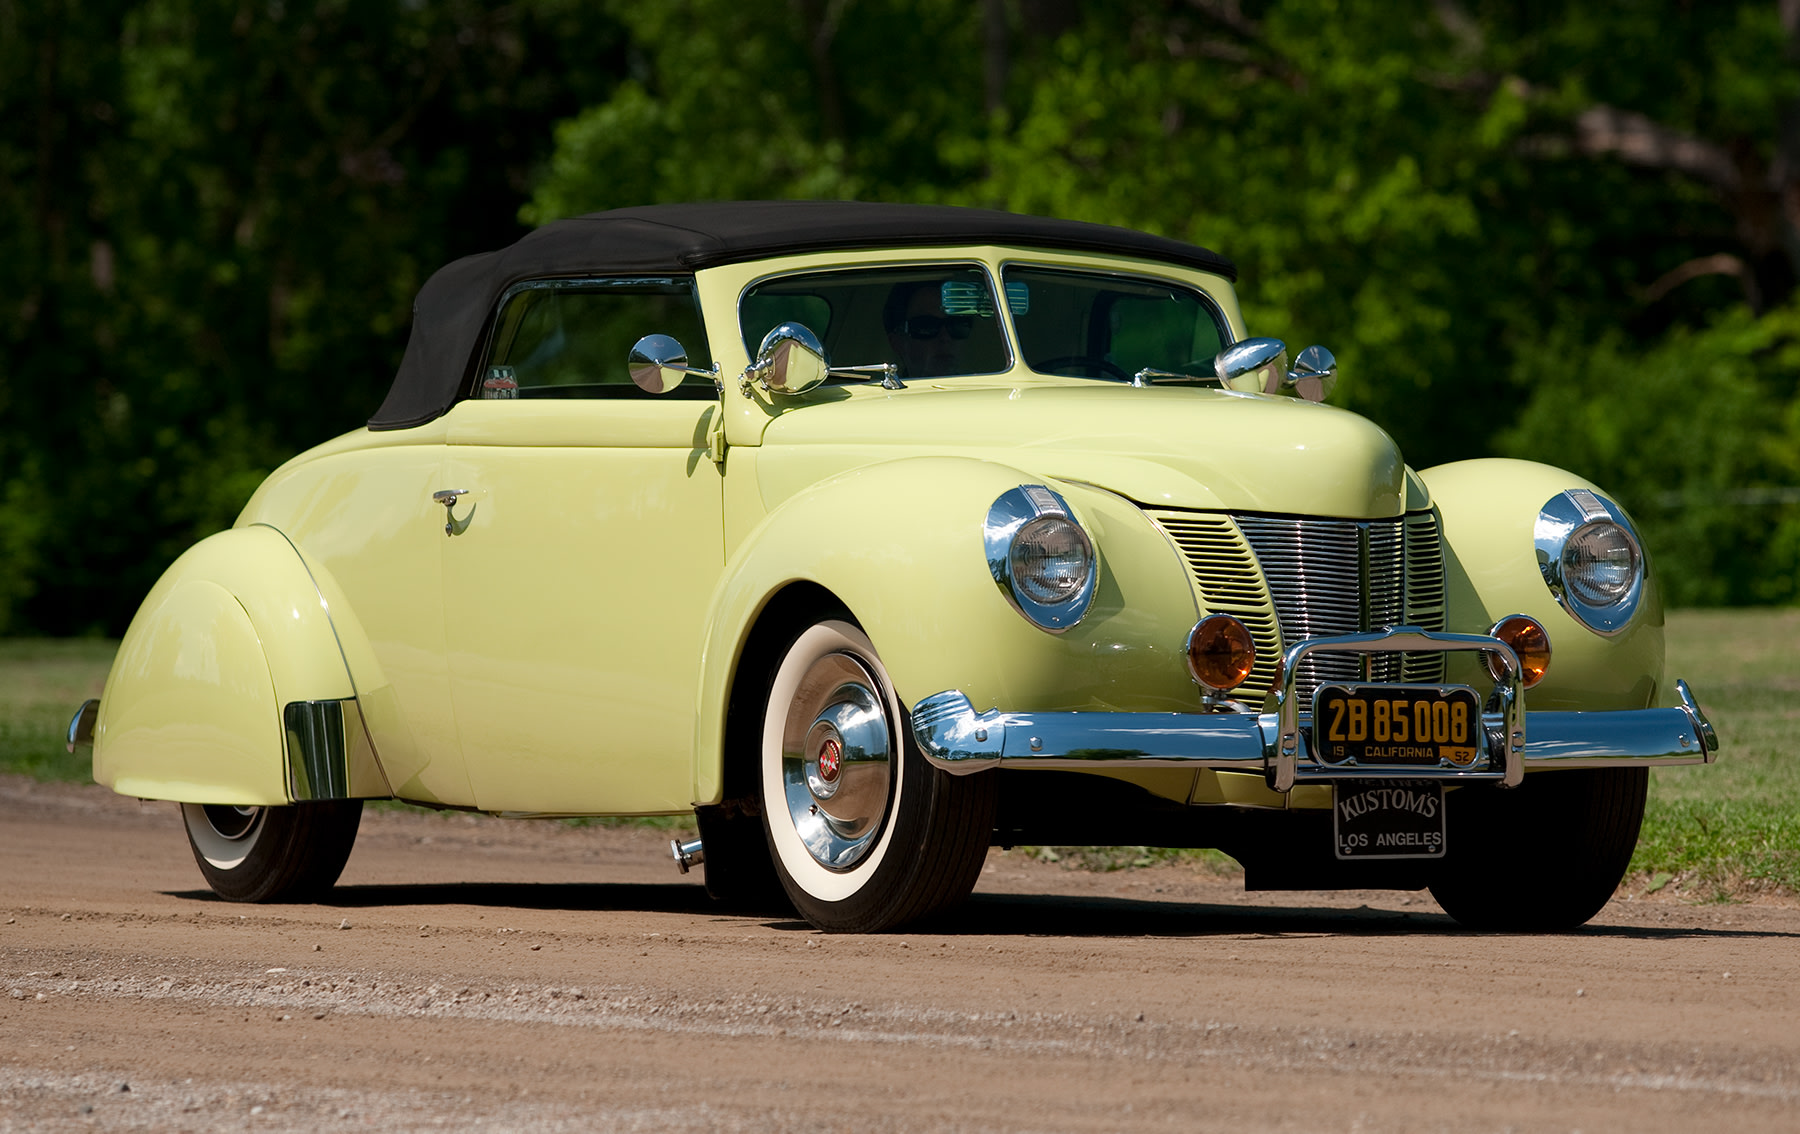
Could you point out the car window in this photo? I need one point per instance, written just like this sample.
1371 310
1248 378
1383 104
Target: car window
1094 325
572 338
931 321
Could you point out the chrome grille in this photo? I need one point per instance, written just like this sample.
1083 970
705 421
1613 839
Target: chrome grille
1289 579
1341 576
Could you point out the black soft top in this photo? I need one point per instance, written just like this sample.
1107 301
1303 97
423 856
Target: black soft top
452 309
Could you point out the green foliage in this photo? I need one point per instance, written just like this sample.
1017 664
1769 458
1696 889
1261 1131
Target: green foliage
1732 827
214 216
1699 435
41 684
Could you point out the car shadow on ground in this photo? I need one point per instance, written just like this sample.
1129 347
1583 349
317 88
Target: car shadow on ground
983 915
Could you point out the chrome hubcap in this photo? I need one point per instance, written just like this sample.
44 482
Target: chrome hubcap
837 761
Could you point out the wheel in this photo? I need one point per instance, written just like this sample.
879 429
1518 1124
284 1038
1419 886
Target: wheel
272 854
1106 367
865 834
1544 856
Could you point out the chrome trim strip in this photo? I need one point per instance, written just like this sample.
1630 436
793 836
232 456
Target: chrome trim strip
81 725
960 741
329 755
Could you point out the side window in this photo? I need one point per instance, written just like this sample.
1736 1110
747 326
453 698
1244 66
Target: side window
571 338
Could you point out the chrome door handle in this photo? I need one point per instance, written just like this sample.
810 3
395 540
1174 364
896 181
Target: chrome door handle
447 497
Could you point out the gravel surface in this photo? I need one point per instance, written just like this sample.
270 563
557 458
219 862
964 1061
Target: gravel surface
480 974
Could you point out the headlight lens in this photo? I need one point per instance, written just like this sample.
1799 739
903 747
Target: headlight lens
1041 558
1591 559
1050 560
1600 563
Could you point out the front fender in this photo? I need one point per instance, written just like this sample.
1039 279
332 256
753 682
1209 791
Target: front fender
900 545
1488 508
231 685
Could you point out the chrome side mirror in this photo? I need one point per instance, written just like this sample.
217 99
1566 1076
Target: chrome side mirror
791 360
1254 366
658 363
1314 374
1260 366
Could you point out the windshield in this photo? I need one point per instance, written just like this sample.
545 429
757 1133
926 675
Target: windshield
931 321
1093 325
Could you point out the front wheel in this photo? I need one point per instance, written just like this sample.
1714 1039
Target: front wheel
272 854
865 834
1544 856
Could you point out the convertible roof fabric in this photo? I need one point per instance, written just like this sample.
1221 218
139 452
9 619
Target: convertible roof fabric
452 309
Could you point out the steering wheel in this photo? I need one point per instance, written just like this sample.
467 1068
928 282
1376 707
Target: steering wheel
1110 369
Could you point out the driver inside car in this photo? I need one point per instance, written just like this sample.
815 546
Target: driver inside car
926 342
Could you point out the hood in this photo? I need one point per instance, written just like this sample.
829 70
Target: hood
1161 447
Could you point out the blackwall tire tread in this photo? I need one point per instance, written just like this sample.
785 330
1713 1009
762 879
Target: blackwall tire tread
1545 857
298 857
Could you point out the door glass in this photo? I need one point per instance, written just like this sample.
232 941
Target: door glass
571 339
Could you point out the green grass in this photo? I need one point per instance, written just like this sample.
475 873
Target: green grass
42 681
1732 828
1725 830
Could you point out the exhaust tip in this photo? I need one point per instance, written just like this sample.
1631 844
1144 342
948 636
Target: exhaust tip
687 855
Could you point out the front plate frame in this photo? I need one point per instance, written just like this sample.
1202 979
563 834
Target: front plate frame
1398 726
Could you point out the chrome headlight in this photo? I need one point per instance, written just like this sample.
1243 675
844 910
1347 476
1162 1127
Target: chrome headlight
1591 559
1040 557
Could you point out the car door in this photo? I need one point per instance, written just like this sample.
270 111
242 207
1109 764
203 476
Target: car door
587 541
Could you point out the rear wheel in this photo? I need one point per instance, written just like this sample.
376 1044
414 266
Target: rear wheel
1546 855
272 854
865 834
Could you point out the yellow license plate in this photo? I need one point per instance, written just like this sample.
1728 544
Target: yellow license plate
1399 725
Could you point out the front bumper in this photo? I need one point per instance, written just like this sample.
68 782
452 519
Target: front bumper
954 737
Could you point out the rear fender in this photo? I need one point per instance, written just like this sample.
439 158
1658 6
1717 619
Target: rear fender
232 687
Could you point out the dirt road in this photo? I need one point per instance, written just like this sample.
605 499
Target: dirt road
479 974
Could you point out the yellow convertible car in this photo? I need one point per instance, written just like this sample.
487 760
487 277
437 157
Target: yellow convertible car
873 536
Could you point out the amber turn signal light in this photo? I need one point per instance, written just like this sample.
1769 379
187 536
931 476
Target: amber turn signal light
1220 653
1528 640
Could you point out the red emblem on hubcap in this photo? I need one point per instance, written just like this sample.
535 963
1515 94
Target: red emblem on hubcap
831 758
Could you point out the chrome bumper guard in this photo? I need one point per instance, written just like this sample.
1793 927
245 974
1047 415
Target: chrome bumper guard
954 737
